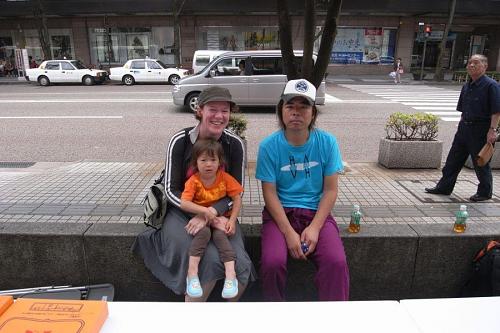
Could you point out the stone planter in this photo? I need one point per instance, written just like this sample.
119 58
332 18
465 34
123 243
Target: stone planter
410 154
495 159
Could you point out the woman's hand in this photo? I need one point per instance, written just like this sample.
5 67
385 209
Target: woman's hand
230 227
195 224
293 243
310 236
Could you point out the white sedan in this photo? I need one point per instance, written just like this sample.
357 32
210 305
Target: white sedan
65 71
146 70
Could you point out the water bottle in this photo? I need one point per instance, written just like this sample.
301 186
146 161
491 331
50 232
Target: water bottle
355 219
461 219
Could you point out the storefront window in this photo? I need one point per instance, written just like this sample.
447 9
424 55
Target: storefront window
6 47
118 45
364 46
237 39
61 43
33 45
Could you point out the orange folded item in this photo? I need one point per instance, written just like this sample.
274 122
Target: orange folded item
54 316
5 302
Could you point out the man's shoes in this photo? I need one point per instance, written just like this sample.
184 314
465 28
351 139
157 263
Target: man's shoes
435 190
476 198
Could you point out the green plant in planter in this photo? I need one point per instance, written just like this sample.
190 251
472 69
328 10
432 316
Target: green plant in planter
238 125
412 127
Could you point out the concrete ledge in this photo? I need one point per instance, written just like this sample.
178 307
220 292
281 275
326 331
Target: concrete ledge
385 261
42 254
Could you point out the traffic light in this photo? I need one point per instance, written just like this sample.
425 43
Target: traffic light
428 30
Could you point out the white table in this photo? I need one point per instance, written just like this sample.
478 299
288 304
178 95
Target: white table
307 317
457 315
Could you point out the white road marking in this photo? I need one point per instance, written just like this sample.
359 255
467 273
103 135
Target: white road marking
330 98
455 119
432 100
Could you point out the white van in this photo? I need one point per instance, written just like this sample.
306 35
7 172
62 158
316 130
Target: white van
259 82
201 58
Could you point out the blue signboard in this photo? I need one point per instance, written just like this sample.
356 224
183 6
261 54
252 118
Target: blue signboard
346 57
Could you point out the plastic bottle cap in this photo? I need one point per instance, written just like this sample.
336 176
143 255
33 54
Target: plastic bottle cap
463 207
356 207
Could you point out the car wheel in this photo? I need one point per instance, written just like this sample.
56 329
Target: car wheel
192 101
43 81
88 80
128 80
174 79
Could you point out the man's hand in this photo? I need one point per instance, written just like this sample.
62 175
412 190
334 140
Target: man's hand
195 224
294 247
492 136
310 236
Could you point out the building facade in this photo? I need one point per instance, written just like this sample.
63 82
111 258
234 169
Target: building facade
370 34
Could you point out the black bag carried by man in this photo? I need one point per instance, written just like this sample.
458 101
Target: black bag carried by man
485 279
155 204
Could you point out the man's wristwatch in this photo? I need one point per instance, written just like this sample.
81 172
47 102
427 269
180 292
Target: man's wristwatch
494 129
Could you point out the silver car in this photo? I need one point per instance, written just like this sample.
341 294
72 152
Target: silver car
254 78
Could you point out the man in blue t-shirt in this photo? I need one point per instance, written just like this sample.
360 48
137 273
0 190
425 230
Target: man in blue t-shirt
298 167
479 103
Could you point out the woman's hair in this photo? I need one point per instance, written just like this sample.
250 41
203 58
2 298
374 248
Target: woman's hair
211 147
279 113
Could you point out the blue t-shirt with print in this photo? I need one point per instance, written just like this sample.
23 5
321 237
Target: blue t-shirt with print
298 171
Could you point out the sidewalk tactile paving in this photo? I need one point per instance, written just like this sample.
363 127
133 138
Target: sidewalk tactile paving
111 192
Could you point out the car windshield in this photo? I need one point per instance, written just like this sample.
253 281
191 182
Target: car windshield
161 64
78 64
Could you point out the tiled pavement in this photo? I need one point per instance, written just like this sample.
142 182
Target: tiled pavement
107 192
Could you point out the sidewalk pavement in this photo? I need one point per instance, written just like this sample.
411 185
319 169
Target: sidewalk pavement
111 192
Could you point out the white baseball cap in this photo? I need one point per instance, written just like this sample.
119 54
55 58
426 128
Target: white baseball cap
300 87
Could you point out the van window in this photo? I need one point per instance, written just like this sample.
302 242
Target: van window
202 60
267 65
228 66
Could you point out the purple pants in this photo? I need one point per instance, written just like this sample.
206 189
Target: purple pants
332 275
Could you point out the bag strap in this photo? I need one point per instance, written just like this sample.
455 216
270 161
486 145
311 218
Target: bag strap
162 174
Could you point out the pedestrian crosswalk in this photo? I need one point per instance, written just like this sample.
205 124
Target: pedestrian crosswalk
439 101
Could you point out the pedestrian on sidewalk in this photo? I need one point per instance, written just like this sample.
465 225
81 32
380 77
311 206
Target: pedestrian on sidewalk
298 166
398 70
166 251
479 103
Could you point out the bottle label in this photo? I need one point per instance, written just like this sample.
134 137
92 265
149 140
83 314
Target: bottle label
355 218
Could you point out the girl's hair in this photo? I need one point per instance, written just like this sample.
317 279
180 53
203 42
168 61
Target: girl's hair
279 113
211 147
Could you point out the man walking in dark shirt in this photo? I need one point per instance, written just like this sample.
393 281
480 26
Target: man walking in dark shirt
479 103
